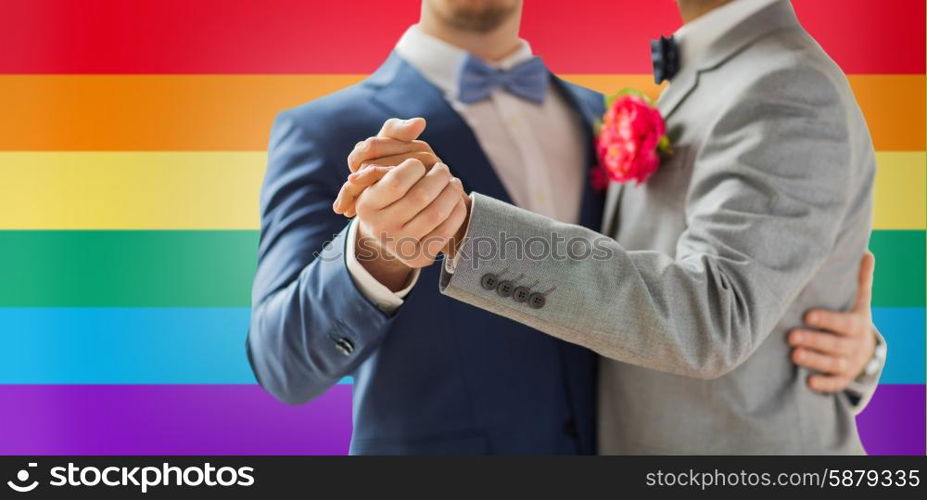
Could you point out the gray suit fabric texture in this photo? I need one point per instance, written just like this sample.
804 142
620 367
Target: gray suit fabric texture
762 213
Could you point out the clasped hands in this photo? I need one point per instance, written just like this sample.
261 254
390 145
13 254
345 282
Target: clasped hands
409 207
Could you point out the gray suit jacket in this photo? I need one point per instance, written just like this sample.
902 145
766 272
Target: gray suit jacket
762 213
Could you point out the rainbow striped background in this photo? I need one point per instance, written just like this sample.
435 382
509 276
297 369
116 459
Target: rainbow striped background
131 153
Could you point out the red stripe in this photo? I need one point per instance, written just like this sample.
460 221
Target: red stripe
304 36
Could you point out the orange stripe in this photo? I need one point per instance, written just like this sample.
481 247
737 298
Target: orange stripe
150 113
234 113
894 106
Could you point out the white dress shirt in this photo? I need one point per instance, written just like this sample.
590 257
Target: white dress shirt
537 150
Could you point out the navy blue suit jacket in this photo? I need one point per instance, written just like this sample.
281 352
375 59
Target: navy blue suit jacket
437 376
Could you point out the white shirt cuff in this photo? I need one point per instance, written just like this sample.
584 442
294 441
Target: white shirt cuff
450 265
386 299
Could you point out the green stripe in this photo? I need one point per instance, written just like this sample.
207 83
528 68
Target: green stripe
215 268
900 269
127 268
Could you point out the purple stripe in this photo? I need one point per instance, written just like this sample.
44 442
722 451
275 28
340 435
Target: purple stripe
169 419
894 421
243 420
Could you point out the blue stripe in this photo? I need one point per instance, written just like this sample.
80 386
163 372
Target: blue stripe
124 346
904 332
206 345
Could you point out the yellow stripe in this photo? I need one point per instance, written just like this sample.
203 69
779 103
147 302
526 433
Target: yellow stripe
132 190
220 190
900 192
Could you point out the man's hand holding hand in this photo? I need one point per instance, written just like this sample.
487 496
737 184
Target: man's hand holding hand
409 207
395 143
412 212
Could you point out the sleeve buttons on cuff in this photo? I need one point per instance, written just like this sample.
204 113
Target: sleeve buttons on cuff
489 281
505 288
521 294
537 300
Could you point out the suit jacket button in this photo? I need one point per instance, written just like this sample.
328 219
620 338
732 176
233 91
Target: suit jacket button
521 294
489 281
537 300
344 346
505 288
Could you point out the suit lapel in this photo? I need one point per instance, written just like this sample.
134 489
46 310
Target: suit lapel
405 93
609 225
776 16
677 91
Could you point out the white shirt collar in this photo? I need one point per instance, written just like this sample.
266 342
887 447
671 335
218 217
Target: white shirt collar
696 37
439 62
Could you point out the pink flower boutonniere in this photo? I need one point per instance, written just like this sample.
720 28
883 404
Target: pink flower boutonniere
630 140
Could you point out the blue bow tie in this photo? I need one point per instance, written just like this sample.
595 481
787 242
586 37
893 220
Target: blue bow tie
527 80
665 56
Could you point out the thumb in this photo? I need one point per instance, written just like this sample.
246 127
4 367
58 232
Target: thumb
403 130
864 284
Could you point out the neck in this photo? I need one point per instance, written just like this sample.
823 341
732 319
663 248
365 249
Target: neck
690 10
489 46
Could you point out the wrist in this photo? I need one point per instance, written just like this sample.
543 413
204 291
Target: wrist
376 260
875 360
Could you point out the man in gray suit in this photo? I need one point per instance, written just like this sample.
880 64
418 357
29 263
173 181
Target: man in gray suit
762 213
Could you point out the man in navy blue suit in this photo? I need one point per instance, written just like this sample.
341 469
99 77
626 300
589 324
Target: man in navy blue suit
330 299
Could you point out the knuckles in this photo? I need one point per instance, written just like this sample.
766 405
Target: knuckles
369 147
428 158
411 169
392 185
363 208
434 217
391 123
419 196
415 164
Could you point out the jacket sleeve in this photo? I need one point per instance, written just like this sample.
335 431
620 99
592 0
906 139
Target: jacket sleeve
310 325
762 214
